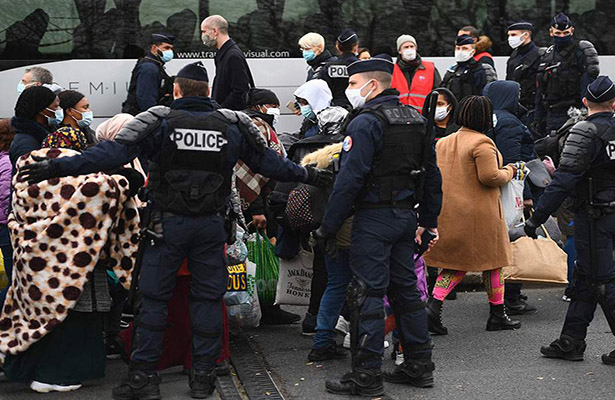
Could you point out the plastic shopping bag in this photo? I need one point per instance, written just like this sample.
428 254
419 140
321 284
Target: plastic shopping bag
242 305
295 281
262 253
4 280
511 196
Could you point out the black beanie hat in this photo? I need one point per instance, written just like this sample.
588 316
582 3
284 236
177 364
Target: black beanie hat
257 97
32 101
69 98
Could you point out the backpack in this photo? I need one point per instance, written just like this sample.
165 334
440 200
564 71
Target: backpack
553 144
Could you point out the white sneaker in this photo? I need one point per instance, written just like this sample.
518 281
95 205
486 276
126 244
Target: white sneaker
41 387
399 358
566 298
342 326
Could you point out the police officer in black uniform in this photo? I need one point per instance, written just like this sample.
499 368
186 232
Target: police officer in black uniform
587 170
150 84
522 65
388 166
468 76
564 72
335 72
192 149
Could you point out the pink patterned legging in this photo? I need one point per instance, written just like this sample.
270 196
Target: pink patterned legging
448 279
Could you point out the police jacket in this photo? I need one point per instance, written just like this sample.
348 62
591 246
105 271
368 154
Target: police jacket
233 77
468 78
316 66
336 76
361 153
149 85
193 150
522 67
29 135
563 77
588 152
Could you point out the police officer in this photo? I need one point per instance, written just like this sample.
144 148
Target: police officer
564 72
150 84
587 170
522 65
388 166
335 72
192 149
468 76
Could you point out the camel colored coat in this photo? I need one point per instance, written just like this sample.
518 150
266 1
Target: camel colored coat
473 233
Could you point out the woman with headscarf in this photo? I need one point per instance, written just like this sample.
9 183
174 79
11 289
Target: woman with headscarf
109 129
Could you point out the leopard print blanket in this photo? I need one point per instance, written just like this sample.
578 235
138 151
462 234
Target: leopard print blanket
59 229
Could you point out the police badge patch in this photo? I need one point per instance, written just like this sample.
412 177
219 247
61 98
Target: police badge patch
347 144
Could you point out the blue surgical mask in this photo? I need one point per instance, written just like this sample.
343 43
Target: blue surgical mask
20 88
309 55
86 118
307 112
562 41
167 55
57 120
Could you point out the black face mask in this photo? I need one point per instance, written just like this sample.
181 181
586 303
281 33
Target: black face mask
562 41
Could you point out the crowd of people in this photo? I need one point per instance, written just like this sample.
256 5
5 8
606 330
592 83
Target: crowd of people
136 215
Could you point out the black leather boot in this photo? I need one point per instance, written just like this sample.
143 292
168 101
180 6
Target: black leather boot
138 385
434 317
566 348
202 383
499 320
609 359
359 382
413 371
333 352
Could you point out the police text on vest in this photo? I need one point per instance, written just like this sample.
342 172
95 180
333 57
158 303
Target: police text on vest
198 140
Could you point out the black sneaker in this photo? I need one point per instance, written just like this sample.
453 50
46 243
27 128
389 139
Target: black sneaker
308 326
115 349
138 385
274 315
609 359
565 348
333 352
202 384
519 307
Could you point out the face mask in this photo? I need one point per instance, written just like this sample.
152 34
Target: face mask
86 118
515 41
167 55
275 112
408 54
207 41
20 87
463 55
355 98
57 120
309 55
441 113
562 41
307 111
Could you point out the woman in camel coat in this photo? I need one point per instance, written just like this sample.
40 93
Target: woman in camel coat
473 233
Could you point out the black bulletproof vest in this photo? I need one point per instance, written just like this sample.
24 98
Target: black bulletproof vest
603 171
399 165
523 69
560 75
461 80
338 73
165 89
190 177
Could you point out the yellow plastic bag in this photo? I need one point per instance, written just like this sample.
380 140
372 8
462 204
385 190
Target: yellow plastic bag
4 280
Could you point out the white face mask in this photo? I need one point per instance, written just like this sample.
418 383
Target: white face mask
441 113
355 98
463 55
275 112
515 41
408 54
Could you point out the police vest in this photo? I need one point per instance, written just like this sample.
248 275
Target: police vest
460 80
422 84
337 72
165 88
399 165
559 73
191 177
603 171
523 69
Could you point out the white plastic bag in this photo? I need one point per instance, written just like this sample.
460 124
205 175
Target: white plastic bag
511 196
242 306
295 281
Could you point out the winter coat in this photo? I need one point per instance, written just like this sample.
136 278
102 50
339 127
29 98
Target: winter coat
233 77
29 135
473 233
5 186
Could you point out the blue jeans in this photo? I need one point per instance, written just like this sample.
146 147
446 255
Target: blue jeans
339 276
7 253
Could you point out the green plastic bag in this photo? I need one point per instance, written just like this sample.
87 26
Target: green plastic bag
261 252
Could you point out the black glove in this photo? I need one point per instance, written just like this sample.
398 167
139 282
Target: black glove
41 170
135 180
318 177
530 228
326 242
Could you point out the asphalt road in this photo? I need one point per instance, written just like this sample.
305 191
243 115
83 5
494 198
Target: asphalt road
471 363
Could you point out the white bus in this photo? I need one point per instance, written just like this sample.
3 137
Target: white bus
92 45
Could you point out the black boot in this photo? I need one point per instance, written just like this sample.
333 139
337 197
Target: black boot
609 359
359 382
138 385
499 320
566 348
202 383
333 352
434 317
414 371
519 307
